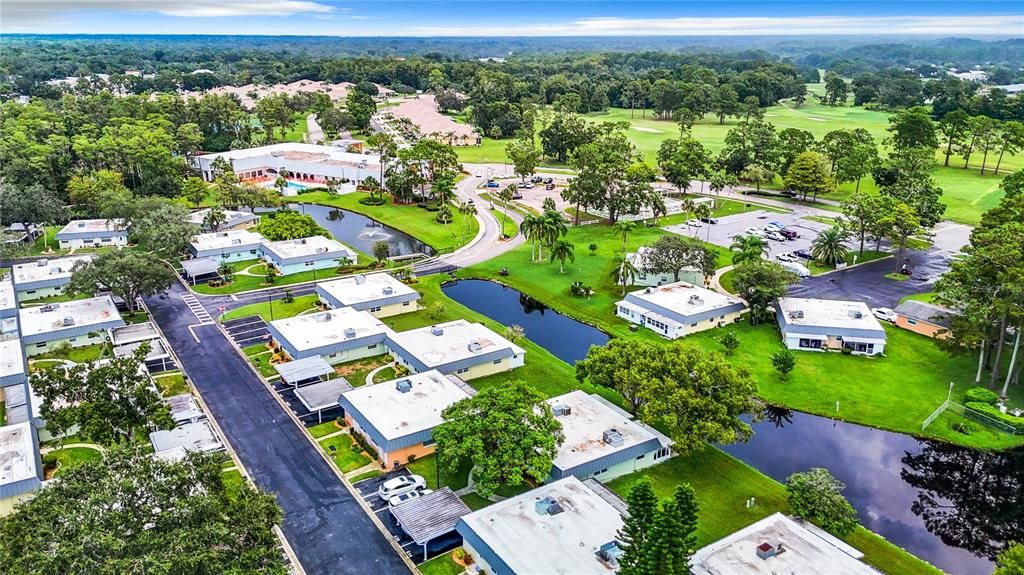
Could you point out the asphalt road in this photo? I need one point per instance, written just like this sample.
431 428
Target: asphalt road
866 282
323 522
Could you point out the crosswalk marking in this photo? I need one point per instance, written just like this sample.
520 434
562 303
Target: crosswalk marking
197 309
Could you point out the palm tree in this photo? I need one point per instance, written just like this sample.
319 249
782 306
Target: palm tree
281 182
505 195
748 249
829 247
552 228
624 273
624 228
561 250
703 211
332 185
468 211
371 185
531 229
214 218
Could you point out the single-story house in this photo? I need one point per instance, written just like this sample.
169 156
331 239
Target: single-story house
678 309
44 277
20 232
13 369
561 527
231 246
338 335
313 253
601 440
778 544
232 220
380 294
823 324
21 466
651 278
8 299
77 323
184 409
398 417
924 318
173 444
468 350
92 234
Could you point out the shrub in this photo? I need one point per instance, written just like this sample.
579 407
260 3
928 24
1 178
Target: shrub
375 201
962 427
428 207
579 290
994 413
980 395
847 351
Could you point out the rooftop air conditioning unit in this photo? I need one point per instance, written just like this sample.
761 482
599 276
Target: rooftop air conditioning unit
388 290
360 279
768 550
610 553
49 307
236 242
695 300
403 385
474 346
68 321
648 290
323 317
41 263
613 437
857 315
436 330
222 234
302 241
560 409
81 224
548 506
350 332
796 314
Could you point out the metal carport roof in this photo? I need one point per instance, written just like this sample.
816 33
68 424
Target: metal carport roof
200 267
303 369
430 516
323 395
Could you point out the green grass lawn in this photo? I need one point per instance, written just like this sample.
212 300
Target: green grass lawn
136 317
60 298
322 429
298 129
367 475
356 371
67 458
441 565
896 392
967 193
726 281
255 349
277 308
344 457
851 258
233 481
927 297
77 354
171 384
723 484
386 374
263 365
475 501
3 413
415 221
508 225
427 467
241 283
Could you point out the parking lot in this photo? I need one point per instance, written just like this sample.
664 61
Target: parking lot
248 330
723 232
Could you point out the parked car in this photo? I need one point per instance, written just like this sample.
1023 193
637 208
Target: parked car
786 257
709 220
884 314
771 228
693 223
775 236
517 195
478 174
400 485
525 186
549 180
536 179
493 184
753 232
408 496
803 254
778 225
549 186
789 234
799 269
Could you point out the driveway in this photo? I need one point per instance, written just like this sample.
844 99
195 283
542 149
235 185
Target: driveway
722 233
867 283
248 330
323 521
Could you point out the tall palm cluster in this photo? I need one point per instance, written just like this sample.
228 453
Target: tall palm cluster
748 249
543 230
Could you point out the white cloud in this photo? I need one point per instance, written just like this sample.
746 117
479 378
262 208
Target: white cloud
23 13
749 26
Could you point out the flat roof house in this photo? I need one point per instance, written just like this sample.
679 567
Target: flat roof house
21 467
78 323
563 528
924 318
601 440
232 220
338 335
778 544
13 369
231 246
304 254
824 324
8 300
173 444
44 277
380 294
458 347
398 417
650 278
92 234
678 309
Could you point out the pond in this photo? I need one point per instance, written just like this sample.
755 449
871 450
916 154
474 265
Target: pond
566 338
361 232
953 507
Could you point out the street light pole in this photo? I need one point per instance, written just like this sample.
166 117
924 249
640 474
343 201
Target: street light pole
270 302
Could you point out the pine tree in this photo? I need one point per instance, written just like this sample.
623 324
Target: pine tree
668 546
686 499
643 505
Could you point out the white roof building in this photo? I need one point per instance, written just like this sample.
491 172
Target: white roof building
777 544
365 291
173 444
95 228
453 346
8 301
21 468
232 219
328 332
820 324
217 244
558 529
65 320
44 273
286 252
13 370
298 159
600 437
676 309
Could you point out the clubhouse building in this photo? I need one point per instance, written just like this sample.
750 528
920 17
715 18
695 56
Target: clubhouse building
306 163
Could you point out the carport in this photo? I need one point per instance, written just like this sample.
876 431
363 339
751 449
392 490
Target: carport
303 370
430 516
322 396
199 267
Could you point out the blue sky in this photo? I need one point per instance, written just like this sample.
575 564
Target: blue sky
532 17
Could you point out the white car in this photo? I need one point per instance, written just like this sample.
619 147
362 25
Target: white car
775 236
753 232
772 228
400 486
785 257
408 496
478 174
884 314
799 269
694 223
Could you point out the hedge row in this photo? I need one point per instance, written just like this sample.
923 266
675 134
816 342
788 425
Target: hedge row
993 412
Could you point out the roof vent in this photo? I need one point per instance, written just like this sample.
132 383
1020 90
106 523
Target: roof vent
695 300
323 317
236 242
350 332
547 506
321 250
613 437
436 330
796 314
49 307
41 263
560 409
360 279
81 224
302 241
474 345
222 234
68 321
648 290
768 550
388 290
403 385
610 553
857 314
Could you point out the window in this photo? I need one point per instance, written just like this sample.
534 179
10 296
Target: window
462 370
497 362
428 443
639 457
40 345
406 303
74 339
371 346
663 452
693 325
810 343
911 321
308 264
31 291
252 251
375 308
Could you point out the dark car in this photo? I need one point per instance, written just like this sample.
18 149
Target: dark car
517 195
789 234
549 187
536 179
549 180
803 254
709 220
